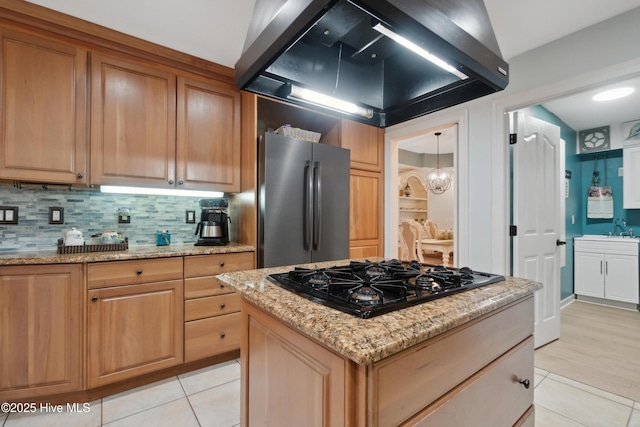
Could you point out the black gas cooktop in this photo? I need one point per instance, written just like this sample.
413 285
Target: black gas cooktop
368 289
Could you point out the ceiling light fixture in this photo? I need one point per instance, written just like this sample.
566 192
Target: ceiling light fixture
611 94
420 51
317 98
438 180
159 191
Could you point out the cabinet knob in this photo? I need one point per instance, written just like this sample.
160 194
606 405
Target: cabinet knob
526 383
180 182
171 182
138 272
94 299
222 286
222 335
79 175
222 264
222 305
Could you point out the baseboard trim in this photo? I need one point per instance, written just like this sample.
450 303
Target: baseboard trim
567 301
608 302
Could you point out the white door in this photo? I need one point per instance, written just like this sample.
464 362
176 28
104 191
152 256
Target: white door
537 213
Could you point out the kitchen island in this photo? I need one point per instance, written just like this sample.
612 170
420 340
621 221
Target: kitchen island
466 359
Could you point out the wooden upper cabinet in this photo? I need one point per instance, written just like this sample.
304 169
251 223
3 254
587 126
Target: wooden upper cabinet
366 144
208 136
43 110
133 123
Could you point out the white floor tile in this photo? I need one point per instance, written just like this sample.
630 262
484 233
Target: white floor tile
547 418
635 419
596 391
540 372
636 405
579 405
140 399
175 413
218 406
209 377
3 416
537 379
77 416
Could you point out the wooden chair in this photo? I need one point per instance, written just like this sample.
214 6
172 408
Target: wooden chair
411 232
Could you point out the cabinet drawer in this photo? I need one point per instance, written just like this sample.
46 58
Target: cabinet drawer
475 402
198 287
212 265
211 306
208 337
413 379
117 273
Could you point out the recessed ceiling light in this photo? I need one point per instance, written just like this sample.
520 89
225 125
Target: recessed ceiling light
610 94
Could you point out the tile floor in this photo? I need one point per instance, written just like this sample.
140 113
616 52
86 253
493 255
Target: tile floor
211 397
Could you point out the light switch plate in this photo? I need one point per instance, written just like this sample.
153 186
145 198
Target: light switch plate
620 171
191 217
9 215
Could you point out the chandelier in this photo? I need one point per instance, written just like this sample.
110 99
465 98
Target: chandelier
438 180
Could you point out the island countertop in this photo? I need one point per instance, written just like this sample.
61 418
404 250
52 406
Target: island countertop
135 252
365 341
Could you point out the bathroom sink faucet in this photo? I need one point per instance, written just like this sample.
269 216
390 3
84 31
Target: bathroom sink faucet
622 227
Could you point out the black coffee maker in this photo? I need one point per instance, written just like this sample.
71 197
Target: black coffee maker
213 228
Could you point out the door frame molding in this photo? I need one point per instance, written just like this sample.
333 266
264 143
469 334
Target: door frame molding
500 191
461 176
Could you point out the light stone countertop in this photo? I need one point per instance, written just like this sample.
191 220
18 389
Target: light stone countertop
365 341
136 252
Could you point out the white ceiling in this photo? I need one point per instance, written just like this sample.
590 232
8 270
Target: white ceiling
215 29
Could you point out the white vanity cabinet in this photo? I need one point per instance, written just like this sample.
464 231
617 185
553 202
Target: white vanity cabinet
631 168
607 267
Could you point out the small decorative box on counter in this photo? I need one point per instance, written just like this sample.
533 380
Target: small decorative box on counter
100 247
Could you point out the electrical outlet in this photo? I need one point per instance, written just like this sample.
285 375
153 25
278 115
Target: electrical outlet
8 214
191 217
56 215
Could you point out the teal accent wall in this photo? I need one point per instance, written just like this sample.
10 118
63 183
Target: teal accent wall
610 177
575 204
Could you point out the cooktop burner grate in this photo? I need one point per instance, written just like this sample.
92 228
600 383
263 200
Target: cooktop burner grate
368 289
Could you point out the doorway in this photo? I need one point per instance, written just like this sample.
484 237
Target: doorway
451 210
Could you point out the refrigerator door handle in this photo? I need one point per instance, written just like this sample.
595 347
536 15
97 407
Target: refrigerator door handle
317 205
308 205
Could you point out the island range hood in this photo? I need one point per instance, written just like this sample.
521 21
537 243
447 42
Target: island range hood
380 62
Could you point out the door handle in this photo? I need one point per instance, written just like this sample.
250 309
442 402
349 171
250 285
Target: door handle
560 242
317 199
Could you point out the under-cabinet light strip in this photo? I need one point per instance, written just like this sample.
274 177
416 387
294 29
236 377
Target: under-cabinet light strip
159 191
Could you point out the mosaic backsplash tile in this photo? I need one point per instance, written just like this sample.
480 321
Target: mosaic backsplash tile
92 212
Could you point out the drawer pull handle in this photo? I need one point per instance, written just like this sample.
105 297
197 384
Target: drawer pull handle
94 299
138 272
222 264
222 335
525 383
222 305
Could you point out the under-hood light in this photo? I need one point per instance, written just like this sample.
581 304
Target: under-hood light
312 97
160 191
420 51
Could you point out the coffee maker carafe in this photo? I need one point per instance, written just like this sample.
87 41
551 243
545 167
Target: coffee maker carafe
213 228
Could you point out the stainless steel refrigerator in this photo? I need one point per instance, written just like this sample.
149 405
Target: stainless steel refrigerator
304 201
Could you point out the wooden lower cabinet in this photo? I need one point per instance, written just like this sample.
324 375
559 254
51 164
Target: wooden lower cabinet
366 216
212 310
464 377
41 329
133 329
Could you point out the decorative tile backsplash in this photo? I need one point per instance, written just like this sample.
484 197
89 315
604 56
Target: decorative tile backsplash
92 212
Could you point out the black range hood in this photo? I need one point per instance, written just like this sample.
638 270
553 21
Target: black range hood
348 49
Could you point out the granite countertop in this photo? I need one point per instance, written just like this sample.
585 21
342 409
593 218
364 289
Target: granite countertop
365 341
136 252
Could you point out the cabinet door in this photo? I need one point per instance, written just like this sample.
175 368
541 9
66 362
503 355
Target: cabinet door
365 224
621 278
589 274
41 318
631 167
366 144
208 146
43 111
134 330
133 113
